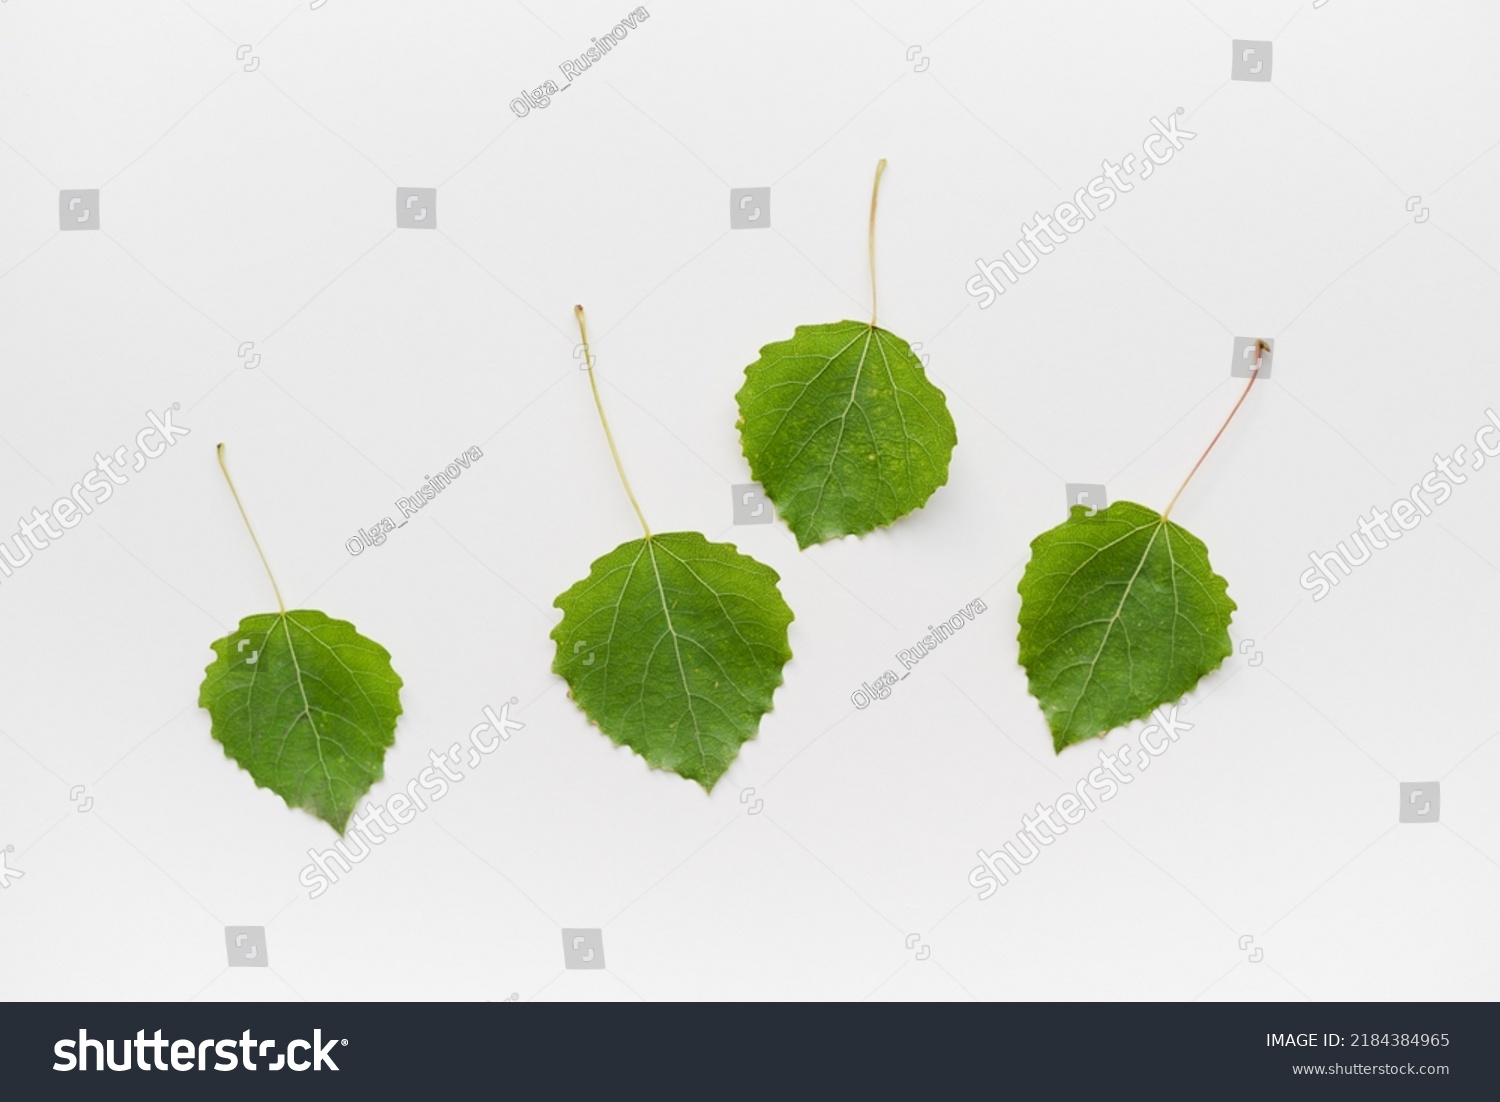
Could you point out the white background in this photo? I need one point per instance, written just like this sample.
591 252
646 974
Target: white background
259 206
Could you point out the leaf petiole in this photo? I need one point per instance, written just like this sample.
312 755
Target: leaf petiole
1259 348
603 420
251 528
874 197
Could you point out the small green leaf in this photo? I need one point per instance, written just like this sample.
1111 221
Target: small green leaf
843 429
1120 613
674 647
307 706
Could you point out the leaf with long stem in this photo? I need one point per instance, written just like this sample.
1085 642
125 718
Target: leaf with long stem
841 425
304 703
672 646
1121 613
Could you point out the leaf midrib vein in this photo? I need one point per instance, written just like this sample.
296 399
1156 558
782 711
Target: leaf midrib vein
306 712
677 650
1104 642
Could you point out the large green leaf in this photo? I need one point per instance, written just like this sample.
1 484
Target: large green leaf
674 646
1120 613
843 429
307 706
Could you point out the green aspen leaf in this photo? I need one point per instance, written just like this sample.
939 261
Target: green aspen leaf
843 429
674 646
1120 614
307 706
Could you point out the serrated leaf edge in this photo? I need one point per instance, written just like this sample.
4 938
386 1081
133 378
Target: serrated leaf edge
240 628
559 659
1057 747
801 546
